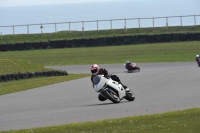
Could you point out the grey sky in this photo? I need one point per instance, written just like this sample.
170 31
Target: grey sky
7 3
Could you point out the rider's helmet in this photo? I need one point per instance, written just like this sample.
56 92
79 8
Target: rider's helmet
197 55
127 61
94 69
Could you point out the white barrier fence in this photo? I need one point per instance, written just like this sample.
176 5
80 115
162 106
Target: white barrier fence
189 20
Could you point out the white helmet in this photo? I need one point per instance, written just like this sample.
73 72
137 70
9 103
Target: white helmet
127 61
197 55
94 69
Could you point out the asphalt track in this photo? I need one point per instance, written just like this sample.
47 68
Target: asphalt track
158 87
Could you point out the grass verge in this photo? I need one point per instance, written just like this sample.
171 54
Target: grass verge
9 66
94 34
15 61
159 52
185 121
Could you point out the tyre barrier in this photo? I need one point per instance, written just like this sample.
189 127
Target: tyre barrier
69 43
159 38
167 38
118 40
134 39
27 75
28 46
36 45
110 41
85 42
183 37
44 45
198 36
3 47
192 37
175 37
11 47
127 40
151 39
143 38
93 42
102 41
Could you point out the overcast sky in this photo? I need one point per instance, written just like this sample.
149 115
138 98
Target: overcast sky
4 3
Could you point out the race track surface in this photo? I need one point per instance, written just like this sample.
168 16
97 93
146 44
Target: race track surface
158 87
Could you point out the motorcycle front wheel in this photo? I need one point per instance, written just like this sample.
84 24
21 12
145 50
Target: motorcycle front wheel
112 95
130 96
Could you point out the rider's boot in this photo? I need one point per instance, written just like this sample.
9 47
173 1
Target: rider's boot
125 87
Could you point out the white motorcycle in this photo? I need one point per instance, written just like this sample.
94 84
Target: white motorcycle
111 89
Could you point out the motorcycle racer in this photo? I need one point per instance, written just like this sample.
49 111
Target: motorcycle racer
96 70
129 65
198 60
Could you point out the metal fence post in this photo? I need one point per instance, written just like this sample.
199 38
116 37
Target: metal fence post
124 25
97 26
82 27
55 29
166 23
28 29
195 20
111 24
69 28
13 29
139 22
153 22
41 27
181 20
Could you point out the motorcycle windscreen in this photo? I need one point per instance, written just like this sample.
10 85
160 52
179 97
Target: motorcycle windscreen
96 79
99 82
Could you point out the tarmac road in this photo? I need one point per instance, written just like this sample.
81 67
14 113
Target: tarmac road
158 87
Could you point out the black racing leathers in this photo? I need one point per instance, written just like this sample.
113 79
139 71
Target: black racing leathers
198 61
129 66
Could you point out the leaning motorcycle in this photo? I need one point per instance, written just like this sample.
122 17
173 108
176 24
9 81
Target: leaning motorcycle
198 62
131 67
111 89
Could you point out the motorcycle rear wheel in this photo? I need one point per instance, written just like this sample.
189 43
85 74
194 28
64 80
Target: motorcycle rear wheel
130 96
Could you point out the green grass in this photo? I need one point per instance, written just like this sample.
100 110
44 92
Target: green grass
35 60
9 66
185 121
10 39
158 52
21 85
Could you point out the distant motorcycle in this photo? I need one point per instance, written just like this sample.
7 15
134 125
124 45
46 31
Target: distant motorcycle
111 89
131 67
198 61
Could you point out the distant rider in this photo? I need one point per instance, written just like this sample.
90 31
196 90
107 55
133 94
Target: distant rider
96 70
129 65
198 60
